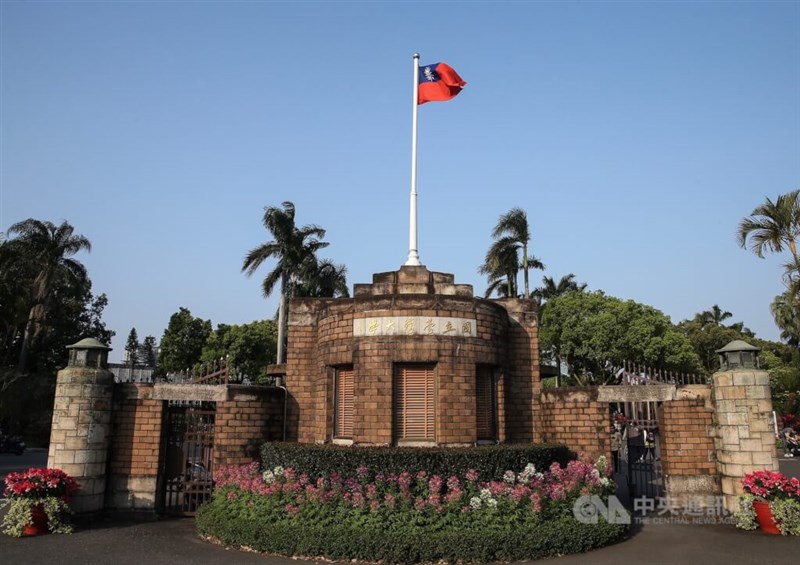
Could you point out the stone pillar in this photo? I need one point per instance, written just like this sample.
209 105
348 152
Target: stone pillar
82 422
745 435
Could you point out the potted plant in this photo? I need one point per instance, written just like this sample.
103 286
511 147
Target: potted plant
38 501
770 501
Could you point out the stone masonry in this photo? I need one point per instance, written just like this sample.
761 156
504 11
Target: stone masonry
80 432
745 434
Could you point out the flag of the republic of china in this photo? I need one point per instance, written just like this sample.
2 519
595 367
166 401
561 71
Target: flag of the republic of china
438 82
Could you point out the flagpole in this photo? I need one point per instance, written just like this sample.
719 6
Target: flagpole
413 256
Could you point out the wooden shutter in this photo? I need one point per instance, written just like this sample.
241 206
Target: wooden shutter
414 403
345 384
485 403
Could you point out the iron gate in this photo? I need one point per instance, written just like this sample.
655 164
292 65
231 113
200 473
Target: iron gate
189 443
640 461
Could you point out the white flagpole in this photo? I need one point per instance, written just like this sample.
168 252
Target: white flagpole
413 256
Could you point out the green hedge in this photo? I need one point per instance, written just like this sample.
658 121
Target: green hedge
490 461
360 537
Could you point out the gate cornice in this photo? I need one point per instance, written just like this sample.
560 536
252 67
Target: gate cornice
652 393
193 392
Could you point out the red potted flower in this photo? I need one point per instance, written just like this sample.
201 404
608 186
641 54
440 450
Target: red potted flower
38 499
771 502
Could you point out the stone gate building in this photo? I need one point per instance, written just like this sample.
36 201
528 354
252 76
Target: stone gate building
412 359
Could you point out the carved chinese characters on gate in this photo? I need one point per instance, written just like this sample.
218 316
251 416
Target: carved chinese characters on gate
414 325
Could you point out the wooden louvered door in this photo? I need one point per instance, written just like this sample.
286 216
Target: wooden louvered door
345 386
414 403
485 403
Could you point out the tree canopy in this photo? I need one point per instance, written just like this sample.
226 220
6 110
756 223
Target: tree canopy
297 268
595 333
503 261
248 348
183 341
46 303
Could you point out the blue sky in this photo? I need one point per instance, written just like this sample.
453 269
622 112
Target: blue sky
636 135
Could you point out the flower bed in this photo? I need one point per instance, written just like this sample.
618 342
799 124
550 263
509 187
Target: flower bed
408 518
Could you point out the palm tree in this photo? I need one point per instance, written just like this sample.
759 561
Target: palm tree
513 225
323 279
501 267
715 316
773 225
787 317
292 247
47 250
551 289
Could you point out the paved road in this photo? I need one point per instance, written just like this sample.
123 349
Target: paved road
10 463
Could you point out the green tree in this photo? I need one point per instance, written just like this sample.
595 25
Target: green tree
291 248
501 266
786 313
46 250
772 226
715 316
132 347
596 333
552 289
706 339
512 234
322 279
248 348
183 341
149 350
549 290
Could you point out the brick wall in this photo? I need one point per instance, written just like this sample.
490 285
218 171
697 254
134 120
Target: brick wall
242 426
137 437
522 384
574 417
135 448
687 445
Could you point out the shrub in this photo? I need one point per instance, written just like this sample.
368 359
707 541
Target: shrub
408 517
490 461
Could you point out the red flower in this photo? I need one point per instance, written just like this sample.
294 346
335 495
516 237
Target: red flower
770 485
39 483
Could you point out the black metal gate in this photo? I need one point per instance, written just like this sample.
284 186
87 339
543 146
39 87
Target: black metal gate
640 453
189 443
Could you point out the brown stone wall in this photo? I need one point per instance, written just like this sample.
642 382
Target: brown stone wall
137 437
574 417
523 383
135 448
687 444
242 426
322 338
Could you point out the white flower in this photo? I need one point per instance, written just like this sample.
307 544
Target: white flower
509 477
485 494
475 502
527 473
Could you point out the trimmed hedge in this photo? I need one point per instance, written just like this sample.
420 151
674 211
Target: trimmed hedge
490 461
348 538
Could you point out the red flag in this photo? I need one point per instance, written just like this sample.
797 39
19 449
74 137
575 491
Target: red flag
438 82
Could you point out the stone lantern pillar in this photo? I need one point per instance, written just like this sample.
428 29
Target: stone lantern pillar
82 422
745 439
